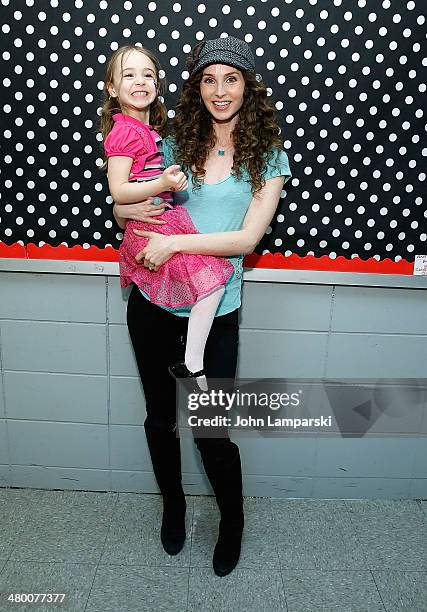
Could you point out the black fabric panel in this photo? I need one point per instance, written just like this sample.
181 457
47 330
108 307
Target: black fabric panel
345 77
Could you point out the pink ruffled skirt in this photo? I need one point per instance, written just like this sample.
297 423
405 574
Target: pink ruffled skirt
184 278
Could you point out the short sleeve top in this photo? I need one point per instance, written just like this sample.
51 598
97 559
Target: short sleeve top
132 138
221 207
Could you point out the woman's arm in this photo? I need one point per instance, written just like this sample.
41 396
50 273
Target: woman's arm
145 211
241 242
124 192
119 220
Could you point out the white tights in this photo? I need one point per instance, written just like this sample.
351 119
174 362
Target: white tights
199 325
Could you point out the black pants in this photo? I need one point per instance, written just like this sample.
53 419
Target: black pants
158 338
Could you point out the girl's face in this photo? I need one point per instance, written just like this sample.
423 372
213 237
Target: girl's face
222 89
135 85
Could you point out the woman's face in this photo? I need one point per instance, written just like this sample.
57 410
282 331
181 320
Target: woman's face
222 88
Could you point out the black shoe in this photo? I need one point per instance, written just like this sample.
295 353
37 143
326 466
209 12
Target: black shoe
227 550
172 533
187 378
180 370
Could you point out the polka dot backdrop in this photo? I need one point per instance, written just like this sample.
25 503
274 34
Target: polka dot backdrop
345 79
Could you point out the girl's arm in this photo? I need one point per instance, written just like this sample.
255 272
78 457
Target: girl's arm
241 242
124 192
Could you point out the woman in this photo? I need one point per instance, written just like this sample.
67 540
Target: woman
227 140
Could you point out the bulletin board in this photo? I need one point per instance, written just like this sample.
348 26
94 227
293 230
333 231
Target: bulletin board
346 82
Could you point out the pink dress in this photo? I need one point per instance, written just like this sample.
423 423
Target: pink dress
184 278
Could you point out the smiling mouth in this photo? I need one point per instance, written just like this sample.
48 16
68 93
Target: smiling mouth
139 93
221 104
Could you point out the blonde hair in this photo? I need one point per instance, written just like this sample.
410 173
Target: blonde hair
111 106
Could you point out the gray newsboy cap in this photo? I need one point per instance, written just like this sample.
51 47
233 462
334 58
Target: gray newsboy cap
231 51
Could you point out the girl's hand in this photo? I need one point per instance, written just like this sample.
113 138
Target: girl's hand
158 250
174 179
141 211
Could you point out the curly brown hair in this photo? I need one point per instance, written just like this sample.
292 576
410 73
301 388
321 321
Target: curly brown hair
254 136
110 105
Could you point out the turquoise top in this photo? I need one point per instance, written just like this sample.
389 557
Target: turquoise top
221 207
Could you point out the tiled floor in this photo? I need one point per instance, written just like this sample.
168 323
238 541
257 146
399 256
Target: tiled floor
103 551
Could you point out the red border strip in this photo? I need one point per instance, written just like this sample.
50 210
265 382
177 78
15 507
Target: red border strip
12 250
75 253
339 264
275 261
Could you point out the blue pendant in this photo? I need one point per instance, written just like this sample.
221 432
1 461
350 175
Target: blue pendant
221 151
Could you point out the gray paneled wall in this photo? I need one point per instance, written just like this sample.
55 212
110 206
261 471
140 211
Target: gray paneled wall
72 407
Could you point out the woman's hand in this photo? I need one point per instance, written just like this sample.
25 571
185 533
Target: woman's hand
141 211
158 250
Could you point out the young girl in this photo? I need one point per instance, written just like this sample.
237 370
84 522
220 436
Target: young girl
136 171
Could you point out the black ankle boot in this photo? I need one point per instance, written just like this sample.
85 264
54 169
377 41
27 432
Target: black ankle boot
172 533
227 550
